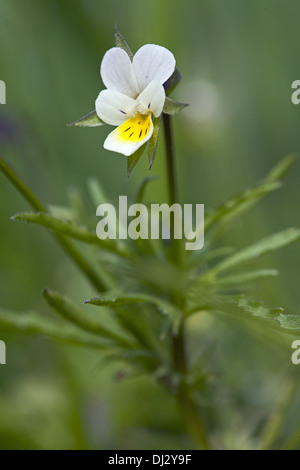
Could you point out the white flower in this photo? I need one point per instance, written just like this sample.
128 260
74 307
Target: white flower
134 92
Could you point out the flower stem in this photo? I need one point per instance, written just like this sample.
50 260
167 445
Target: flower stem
172 183
191 413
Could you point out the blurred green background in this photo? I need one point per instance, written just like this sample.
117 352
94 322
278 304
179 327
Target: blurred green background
238 60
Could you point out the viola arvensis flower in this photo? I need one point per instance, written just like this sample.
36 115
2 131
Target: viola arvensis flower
134 94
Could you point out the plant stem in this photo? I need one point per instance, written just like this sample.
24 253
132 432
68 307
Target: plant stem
190 411
172 183
65 244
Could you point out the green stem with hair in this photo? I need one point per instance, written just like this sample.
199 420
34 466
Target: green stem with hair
191 412
65 244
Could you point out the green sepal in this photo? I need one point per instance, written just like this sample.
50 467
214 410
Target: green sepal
133 159
153 142
173 107
90 120
120 42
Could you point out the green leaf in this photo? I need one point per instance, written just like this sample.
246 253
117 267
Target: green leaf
247 199
65 244
96 191
72 230
153 142
266 245
119 300
90 120
32 323
239 204
133 159
259 309
70 312
289 321
173 107
120 42
279 170
248 276
173 81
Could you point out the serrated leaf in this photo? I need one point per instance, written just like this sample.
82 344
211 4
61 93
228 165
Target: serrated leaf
239 204
119 300
242 202
120 42
173 81
266 245
133 159
173 107
72 230
244 277
32 323
285 321
153 141
90 120
289 322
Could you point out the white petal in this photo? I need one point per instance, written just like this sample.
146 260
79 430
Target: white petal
123 140
153 62
117 72
152 98
113 107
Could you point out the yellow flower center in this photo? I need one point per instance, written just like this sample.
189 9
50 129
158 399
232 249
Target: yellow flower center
135 128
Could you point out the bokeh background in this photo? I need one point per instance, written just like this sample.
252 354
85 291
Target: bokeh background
238 60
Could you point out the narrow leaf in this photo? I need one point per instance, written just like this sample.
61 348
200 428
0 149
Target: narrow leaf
72 230
266 245
90 120
239 204
117 300
96 191
247 199
32 323
64 307
248 276
279 170
65 244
